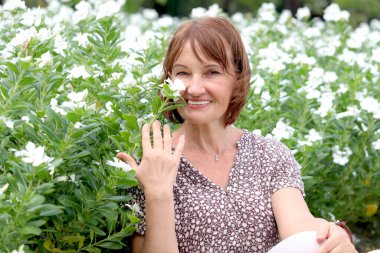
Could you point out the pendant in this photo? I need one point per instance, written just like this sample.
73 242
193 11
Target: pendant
216 158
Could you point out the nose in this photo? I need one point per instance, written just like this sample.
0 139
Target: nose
195 85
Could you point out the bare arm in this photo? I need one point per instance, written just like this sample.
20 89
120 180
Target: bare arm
293 216
291 212
156 175
160 231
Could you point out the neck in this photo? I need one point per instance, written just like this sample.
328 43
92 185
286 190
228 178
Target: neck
208 139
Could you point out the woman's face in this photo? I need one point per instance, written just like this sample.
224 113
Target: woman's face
209 88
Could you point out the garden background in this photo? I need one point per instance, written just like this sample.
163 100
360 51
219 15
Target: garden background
79 78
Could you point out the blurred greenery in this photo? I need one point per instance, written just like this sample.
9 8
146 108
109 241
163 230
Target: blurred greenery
361 11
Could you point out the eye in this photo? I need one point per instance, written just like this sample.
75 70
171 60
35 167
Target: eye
213 72
182 73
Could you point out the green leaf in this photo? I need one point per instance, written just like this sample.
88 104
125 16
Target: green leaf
35 203
27 80
111 245
40 114
131 122
29 230
37 223
72 117
124 198
156 105
79 155
12 67
135 138
69 201
93 250
50 210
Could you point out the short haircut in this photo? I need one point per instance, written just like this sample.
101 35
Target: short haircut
215 38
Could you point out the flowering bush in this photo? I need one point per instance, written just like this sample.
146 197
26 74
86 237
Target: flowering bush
77 84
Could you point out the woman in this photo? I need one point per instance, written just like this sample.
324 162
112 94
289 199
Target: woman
222 189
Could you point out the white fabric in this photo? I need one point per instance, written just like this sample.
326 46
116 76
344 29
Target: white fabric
304 242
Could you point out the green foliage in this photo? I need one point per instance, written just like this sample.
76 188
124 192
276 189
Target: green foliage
75 90
60 128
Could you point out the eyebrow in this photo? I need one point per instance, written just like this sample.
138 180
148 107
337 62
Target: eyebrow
207 66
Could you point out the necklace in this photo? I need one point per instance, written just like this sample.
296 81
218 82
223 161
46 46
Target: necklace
216 156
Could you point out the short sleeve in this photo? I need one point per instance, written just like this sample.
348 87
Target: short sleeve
286 170
138 198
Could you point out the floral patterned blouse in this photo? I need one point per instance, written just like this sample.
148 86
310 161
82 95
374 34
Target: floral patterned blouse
239 218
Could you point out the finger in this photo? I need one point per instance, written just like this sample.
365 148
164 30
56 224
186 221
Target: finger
323 231
332 241
179 147
145 138
167 138
127 159
157 137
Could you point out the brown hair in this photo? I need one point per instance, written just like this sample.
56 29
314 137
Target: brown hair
212 37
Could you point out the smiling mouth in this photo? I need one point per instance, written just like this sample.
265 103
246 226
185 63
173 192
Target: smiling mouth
198 102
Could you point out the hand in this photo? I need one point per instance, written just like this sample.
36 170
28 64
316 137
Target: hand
158 168
333 239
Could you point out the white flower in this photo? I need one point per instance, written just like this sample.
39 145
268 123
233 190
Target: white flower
257 84
33 17
78 96
266 98
267 12
83 9
20 250
61 179
79 71
109 108
81 38
56 108
135 207
23 36
333 13
376 144
60 45
198 12
313 93
303 13
330 77
376 55
119 164
341 157
34 155
150 13
312 137
213 10
176 86
108 8
11 5
45 60
351 111
25 118
342 89
8 122
304 59
78 125
312 32
371 105
4 188
282 131
326 101
165 21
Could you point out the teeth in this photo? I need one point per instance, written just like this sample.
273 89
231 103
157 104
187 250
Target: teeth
198 102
